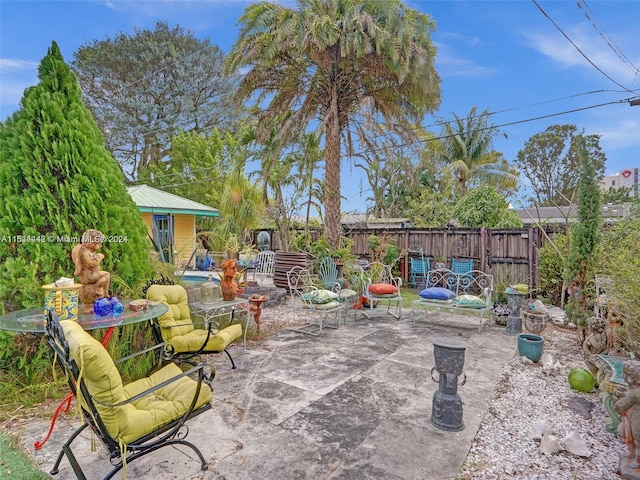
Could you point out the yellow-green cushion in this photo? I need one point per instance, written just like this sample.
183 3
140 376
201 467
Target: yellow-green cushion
193 340
175 296
133 421
162 406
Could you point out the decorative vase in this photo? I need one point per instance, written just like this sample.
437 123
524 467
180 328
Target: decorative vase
530 346
500 313
534 322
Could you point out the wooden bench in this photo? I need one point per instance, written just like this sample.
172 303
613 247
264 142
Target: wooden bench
474 282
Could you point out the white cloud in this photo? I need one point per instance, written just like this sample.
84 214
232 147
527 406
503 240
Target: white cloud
12 64
448 63
555 46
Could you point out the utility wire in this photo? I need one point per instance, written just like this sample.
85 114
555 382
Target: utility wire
424 141
592 18
578 48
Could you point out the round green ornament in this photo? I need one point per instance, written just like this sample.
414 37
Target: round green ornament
581 380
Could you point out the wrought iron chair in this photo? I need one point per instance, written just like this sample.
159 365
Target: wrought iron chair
381 286
130 420
264 263
322 303
185 339
419 269
328 274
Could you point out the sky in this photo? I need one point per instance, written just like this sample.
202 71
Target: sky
556 62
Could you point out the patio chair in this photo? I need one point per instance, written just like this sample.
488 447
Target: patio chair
185 339
328 274
264 263
130 420
459 265
380 286
321 303
463 265
419 269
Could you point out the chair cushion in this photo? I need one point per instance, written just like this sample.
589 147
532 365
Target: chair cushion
383 289
323 306
177 320
346 294
469 301
193 340
437 293
162 406
128 423
319 296
99 374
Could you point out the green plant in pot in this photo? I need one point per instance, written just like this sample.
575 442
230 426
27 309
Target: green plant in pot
439 261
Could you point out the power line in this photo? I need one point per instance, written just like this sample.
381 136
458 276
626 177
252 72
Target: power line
436 124
578 48
442 137
592 18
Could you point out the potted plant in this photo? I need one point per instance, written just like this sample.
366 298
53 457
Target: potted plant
439 261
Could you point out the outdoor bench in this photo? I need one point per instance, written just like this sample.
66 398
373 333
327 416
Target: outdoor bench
466 293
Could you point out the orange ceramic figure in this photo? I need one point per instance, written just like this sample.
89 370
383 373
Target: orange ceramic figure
228 285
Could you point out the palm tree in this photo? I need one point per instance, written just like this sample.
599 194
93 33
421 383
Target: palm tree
331 60
469 155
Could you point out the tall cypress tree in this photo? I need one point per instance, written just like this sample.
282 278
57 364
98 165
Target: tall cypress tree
585 237
56 181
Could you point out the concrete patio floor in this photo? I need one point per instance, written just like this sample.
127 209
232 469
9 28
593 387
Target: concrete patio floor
353 403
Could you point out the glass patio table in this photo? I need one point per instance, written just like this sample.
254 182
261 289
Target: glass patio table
32 320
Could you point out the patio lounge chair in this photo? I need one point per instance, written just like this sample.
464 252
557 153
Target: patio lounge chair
186 339
130 420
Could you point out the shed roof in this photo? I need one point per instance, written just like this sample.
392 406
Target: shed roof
149 199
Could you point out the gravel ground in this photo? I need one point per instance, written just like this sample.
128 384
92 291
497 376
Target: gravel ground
504 446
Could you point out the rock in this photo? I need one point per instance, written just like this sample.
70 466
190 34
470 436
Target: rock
580 405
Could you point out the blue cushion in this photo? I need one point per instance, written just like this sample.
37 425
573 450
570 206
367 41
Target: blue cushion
437 293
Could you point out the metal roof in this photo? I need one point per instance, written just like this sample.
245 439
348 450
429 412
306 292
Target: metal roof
149 199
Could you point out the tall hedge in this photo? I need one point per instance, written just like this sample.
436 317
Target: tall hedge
56 181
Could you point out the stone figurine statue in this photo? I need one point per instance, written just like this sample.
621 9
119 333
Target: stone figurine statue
599 337
629 429
85 256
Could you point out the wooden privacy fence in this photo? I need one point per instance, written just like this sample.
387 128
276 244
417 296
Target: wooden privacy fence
511 256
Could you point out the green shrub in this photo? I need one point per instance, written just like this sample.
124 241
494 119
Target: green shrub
551 267
620 258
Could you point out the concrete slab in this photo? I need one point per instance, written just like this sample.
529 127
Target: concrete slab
354 403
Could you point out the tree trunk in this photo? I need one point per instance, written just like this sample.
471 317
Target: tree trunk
332 174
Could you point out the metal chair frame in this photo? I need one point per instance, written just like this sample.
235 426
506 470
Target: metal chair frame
171 434
301 283
376 272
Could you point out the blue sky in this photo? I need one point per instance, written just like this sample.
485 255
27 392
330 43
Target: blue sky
505 56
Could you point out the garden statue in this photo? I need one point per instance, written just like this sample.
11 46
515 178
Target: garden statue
95 282
629 429
228 284
599 338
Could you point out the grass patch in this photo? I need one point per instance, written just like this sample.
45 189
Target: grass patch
15 464
408 296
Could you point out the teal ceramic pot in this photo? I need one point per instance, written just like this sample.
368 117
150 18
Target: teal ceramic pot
530 346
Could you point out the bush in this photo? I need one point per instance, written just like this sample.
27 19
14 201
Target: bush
551 268
621 255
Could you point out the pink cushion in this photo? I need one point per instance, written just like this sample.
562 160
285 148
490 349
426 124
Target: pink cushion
383 289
